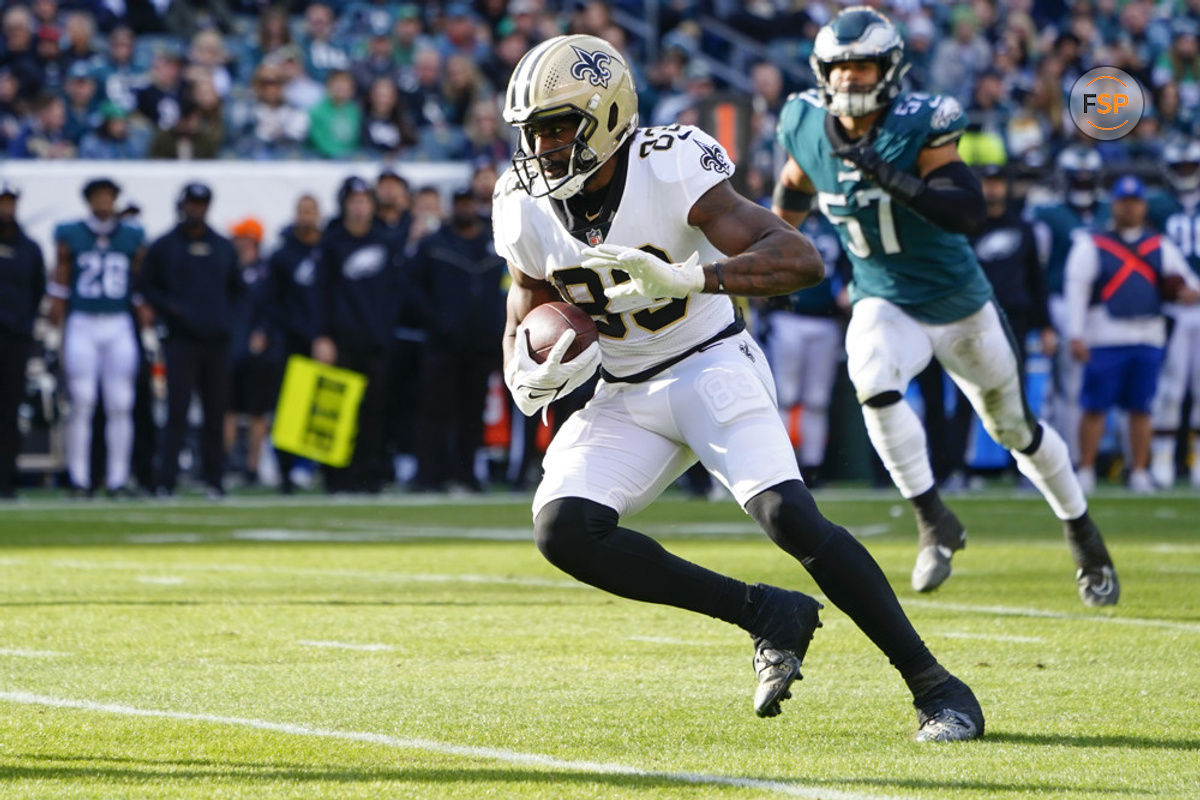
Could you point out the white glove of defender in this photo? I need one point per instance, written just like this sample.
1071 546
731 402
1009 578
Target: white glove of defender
649 275
534 386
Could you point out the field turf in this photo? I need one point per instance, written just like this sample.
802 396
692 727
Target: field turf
416 647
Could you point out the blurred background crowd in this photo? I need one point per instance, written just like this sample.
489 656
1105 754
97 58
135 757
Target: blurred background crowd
379 85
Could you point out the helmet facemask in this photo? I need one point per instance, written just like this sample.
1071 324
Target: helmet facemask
858 34
531 166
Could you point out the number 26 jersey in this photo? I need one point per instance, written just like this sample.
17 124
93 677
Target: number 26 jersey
896 253
669 168
100 265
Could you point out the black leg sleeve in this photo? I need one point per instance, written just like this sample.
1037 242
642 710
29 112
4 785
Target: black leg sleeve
844 570
581 537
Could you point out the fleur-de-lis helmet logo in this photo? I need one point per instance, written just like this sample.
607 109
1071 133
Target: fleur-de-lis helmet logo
592 67
713 159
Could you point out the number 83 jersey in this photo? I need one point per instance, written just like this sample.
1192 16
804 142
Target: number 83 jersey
669 168
100 265
896 253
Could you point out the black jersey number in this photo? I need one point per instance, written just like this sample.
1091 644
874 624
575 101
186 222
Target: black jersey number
661 139
595 305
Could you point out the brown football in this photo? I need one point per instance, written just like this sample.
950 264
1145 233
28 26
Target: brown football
547 322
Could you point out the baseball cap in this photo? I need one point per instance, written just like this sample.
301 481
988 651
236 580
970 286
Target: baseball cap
195 191
79 69
247 228
991 171
1128 186
96 184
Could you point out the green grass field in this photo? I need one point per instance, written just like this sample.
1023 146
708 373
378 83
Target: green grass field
421 648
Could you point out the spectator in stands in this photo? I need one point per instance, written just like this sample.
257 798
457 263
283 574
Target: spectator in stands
18 53
1181 63
483 186
116 74
321 54
272 33
299 89
1116 281
505 54
255 365
200 130
44 136
335 123
83 105
114 138
958 60
22 284
673 108
10 111
184 19
45 12
49 56
80 29
485 139
207 56
408 36
387 129
461 34
191 279
456 276
267 127
360 287
378 61
422 91
159 99
920 38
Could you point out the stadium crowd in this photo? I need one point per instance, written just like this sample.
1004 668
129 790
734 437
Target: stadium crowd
386 84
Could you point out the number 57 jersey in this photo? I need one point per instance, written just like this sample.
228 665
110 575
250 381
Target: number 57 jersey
668 169
896 253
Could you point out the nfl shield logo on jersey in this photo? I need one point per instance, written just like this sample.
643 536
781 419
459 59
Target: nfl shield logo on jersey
595 237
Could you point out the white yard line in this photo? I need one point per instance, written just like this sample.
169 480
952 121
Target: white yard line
370 648
991 637
502 755
160 580
23 652
1013 611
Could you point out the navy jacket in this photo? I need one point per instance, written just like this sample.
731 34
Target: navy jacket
458 285
192 284
360 288
22 283
290 304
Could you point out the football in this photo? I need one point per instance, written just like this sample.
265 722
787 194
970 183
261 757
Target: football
547 322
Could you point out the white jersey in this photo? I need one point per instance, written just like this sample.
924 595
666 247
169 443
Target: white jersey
669 169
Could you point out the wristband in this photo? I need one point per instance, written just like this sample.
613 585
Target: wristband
719 269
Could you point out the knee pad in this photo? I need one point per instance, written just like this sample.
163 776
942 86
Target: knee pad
564 529
883 399
789 515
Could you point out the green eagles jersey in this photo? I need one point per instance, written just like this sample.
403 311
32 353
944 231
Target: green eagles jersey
1181 223
896 253
100 265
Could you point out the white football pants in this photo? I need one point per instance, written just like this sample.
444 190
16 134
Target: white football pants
99 349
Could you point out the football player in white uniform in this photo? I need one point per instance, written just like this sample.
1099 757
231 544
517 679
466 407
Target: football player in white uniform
640 228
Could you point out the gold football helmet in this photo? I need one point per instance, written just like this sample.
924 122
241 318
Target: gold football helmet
570 76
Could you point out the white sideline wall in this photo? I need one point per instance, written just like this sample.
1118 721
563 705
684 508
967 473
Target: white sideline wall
51 191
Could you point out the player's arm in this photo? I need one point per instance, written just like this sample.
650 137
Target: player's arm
768 256
59 288
794 194
946 192
143 310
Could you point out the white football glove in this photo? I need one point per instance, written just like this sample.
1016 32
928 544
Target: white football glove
649 275
535 386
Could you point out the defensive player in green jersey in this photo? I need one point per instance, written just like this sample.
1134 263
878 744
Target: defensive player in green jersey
883 166
97 258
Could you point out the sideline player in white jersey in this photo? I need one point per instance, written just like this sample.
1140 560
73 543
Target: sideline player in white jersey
641 229
883 166
97 258
1178 216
